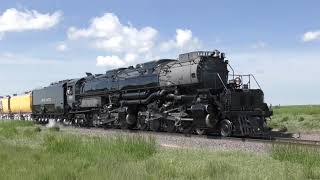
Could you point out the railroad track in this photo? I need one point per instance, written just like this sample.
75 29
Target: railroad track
273 140
296 141
269 140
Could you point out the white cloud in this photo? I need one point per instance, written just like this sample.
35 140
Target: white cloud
183 36
109 34
13 20
111 61
259 45
128 44
116 61
62 47
184 41
311 36
130 57
105 26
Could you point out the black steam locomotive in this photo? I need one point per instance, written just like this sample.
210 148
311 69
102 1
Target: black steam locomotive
191 94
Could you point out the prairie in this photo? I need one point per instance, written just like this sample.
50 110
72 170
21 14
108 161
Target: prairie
30 152
304 118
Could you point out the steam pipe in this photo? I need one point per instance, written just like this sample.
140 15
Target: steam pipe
144 101
133 96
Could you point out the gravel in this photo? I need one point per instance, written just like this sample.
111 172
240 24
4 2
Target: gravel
309 136
166 140
175 140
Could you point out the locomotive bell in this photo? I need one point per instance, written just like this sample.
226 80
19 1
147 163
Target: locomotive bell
238 81
216 53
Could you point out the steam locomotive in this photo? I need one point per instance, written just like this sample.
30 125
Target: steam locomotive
191 94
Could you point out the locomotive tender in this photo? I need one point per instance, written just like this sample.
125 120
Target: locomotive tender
190 94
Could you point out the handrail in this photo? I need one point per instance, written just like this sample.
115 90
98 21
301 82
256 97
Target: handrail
249 77
225 87
232 70
255 80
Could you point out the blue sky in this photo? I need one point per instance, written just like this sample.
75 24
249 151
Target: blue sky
45 41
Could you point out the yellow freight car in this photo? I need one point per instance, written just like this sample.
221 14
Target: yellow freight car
5 105
21 103
1 109
1 104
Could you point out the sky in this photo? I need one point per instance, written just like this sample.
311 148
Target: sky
42 41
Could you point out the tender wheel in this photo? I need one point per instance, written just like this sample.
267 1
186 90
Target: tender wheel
200 131
225 128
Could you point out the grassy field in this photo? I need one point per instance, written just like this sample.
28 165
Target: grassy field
27 152
297 118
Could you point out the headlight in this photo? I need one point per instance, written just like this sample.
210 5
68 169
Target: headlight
238 81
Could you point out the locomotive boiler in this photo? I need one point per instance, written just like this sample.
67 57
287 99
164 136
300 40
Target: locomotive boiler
190 94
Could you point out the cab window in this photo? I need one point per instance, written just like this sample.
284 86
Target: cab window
69 91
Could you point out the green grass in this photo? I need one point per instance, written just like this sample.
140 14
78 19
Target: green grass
9 129
296 118
297 110
30 153
307 157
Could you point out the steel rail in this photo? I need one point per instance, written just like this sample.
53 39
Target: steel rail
272 140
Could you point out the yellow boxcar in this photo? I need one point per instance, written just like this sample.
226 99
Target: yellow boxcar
21 103
5 105
1 109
